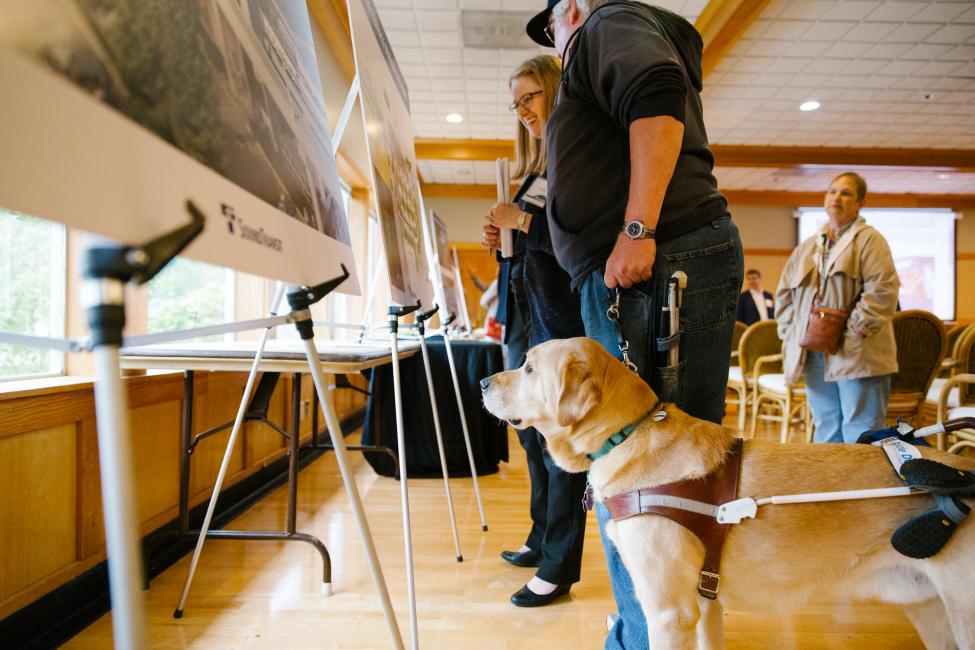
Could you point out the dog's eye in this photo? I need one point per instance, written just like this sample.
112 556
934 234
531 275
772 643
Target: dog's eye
528 368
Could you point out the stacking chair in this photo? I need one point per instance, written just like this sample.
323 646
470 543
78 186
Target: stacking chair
769 388
736 385
735 339
949 364
965 385
921 346
963 356
761 339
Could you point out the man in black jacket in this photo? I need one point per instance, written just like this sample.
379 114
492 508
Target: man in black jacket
753 303
632 200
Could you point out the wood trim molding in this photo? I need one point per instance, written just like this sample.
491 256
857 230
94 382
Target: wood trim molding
745 197
721 24
968 256
461 191
456 149
796 199
958 160
332 18
768 252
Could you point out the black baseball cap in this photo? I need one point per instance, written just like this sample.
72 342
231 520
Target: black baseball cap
536 26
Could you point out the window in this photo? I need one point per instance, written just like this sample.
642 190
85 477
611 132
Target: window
32 292
188 294
923 245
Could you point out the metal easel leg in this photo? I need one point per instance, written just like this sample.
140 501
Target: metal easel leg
463 424
228 453
300 301
421 319
393 320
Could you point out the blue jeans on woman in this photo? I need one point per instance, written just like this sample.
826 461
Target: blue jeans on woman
844 409
711 256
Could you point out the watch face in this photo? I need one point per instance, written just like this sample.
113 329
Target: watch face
634 229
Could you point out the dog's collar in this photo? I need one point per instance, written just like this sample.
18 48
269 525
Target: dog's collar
620 436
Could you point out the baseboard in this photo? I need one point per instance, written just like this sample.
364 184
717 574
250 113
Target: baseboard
54 618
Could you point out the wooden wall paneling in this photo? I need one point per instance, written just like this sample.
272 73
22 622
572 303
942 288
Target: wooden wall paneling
214 403
264 444
155 439
90 521
38 509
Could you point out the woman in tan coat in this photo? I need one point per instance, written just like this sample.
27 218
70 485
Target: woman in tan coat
846 265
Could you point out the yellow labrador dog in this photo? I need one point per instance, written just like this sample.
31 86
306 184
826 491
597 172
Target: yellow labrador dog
578 395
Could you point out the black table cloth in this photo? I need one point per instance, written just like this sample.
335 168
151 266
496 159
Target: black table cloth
489 439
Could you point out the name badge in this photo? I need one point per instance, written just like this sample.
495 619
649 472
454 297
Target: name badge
537 193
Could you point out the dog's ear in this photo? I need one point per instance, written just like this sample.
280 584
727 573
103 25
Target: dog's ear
578 393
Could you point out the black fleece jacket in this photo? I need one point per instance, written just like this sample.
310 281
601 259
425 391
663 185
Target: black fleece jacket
628 61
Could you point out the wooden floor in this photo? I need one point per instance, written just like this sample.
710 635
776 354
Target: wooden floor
266 594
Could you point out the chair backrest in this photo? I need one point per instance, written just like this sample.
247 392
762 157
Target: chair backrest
965 355
759 340
736 337
954 333
921 346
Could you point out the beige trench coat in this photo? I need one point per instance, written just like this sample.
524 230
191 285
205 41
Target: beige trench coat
860 278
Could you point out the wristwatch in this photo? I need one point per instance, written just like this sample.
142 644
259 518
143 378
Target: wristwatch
522 219
636 230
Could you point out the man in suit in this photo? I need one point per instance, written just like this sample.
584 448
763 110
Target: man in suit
754 304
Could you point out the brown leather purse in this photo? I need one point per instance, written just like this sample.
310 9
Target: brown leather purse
824 330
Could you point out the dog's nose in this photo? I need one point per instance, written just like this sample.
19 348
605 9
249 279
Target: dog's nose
485 383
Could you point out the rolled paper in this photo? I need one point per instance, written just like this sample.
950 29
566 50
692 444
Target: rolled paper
503 174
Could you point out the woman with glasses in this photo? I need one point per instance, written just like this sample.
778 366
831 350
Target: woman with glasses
540 306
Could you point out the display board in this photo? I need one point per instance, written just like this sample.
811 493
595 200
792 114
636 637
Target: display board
443 273
392 159
115 112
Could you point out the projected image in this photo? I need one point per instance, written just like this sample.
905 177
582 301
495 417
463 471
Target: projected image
922 243
232 84
389 136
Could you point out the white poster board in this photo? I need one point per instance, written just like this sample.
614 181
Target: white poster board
115 113
392 159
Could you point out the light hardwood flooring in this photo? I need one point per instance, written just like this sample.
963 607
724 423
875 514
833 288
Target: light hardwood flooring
266 594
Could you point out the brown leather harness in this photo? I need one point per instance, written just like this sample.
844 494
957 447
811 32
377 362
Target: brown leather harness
693 504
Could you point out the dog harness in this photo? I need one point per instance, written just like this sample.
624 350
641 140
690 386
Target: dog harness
692 503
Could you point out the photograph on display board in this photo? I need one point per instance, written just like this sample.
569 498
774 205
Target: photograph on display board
233 84
389 136
445 268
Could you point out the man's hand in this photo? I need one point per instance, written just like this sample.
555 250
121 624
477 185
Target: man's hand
630 263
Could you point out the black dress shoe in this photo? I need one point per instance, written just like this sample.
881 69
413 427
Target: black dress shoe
522 558
525 597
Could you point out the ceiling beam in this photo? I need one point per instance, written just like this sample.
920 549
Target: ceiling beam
332 18
745 197
454 149
721 24
874 200
957 160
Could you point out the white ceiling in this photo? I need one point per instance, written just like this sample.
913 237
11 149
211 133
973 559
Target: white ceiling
445 77
871 63
888 74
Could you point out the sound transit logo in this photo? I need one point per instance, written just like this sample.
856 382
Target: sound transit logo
257 235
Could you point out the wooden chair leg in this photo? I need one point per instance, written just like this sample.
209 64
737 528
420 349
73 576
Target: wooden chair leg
742 406
786 419
756 401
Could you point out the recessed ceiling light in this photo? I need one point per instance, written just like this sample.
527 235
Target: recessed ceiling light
944 177
809 106
454 118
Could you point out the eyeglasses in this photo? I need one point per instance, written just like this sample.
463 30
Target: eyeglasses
548 32
524 101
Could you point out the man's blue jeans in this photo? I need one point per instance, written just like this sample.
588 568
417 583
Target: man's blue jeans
711 256
842 410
